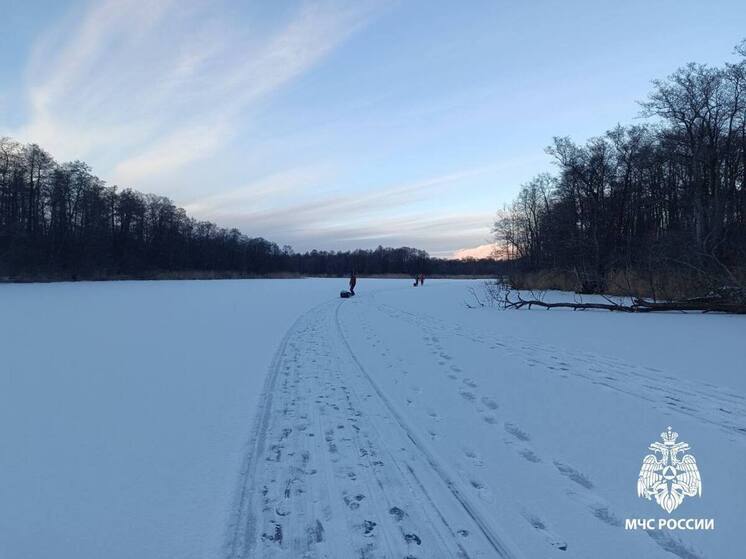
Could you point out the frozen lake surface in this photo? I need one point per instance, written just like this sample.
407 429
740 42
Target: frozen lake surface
269 418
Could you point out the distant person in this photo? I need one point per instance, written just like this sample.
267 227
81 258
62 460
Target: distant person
416 280
422 279
353 282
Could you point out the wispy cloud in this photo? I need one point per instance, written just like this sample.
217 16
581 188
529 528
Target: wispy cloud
264 191
386 214
342 207
144 88
145 91
441 235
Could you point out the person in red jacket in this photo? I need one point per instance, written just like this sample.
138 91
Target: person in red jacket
422 279
353 282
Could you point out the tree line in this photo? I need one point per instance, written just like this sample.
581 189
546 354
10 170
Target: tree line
60 221
661 203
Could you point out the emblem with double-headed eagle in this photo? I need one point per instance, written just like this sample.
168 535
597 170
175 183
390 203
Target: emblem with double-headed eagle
668 478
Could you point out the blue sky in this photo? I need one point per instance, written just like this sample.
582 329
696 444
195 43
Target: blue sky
337 125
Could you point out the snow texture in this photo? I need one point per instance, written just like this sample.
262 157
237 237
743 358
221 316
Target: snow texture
271 418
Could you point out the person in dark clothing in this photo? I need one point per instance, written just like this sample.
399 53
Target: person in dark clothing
422 279
353 282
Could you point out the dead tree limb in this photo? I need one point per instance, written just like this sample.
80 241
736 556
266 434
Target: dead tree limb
697 305
521 302
638 305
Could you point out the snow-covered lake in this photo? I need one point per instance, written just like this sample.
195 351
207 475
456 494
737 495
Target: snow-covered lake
270 418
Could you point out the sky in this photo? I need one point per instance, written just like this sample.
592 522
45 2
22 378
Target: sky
337 125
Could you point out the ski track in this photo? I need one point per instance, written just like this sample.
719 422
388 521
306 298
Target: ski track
333 469
702 398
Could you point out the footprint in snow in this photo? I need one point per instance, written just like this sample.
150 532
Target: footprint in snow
412 538
473 457
482 490
353 503
368 527
517 432
274 534
397 513
574 475
539 525
597 507
315 532
490 403
529 455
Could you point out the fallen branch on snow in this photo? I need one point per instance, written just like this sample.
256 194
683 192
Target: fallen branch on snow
638 305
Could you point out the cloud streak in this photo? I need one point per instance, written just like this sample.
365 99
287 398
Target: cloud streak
162 84
343 208
440 235
380 215
288 183
163 96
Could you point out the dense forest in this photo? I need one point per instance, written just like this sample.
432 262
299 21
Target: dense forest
658 206
60 221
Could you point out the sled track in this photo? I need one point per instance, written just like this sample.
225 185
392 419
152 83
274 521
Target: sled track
242 525
316 385
495 542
